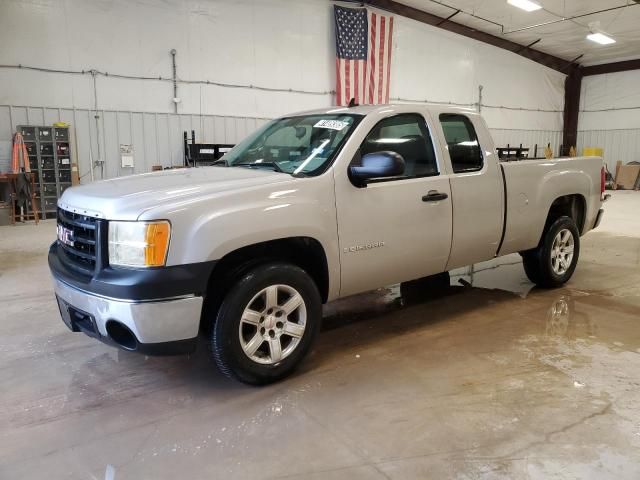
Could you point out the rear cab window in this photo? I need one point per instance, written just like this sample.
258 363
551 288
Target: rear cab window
462 142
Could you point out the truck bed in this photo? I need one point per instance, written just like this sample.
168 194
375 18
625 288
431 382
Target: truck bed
531 187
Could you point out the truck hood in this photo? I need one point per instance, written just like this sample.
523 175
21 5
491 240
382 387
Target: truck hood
126 198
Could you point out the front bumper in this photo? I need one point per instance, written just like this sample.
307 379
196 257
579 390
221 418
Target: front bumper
153 311
158 327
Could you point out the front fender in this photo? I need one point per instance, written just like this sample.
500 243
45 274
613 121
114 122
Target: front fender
209 229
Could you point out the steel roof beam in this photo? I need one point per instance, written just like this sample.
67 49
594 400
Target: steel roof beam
611 67
545 59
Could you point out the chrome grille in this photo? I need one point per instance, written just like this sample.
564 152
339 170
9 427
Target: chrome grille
78 240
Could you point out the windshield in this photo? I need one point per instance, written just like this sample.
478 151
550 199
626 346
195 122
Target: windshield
303 145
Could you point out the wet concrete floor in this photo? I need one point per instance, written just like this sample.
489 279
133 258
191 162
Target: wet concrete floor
490 378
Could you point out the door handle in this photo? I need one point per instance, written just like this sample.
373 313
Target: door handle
434 196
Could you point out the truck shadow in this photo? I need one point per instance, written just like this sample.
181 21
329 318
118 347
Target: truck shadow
475 284
115 375
451 320
356 322
369 322
376 316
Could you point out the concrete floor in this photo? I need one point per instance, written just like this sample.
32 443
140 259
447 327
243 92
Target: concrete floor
493 380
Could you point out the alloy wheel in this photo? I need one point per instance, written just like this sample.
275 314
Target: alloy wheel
562 251
272 324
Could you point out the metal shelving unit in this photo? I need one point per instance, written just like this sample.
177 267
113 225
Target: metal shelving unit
50 159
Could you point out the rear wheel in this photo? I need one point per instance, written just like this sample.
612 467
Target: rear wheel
266 323
553 262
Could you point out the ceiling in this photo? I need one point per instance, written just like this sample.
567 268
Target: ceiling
564 39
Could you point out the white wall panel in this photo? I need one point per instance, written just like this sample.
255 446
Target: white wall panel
156 137
610 101
618 145
138 141
281 44
431 64
150 139
611 119
528 138
610 116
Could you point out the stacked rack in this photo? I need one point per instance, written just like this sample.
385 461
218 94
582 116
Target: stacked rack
50 161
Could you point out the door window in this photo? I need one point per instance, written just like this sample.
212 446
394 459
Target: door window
462 142
407 135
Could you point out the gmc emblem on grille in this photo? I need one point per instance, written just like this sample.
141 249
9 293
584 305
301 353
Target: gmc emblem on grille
65 235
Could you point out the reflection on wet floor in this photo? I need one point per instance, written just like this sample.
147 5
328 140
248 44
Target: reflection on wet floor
503 273
475 375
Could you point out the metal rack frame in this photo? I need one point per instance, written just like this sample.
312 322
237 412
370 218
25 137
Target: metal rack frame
49 150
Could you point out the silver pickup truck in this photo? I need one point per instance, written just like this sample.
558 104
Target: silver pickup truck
310 208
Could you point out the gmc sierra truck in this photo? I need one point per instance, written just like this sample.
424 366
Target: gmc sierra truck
311 207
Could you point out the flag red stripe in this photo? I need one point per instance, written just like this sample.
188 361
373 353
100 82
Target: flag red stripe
389 58
356 75
381 58
338 83
347 81
372 59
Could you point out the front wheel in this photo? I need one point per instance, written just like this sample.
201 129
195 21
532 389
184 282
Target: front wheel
553 262
266 323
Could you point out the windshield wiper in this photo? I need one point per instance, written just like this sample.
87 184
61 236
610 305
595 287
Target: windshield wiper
221 161
273 165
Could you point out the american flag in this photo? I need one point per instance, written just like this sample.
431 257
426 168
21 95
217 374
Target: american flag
363 56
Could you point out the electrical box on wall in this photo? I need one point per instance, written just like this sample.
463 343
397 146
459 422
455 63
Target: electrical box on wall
126 155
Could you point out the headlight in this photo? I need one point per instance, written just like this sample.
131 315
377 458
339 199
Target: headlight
139 244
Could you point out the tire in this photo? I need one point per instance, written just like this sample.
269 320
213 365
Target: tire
530 264
550 265
258 336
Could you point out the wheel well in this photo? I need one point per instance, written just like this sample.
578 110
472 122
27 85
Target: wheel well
568 205
305 252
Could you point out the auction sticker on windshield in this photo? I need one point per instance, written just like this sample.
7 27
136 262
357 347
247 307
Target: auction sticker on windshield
331 124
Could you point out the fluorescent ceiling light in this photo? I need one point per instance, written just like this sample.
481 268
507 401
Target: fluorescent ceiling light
600 38
527 5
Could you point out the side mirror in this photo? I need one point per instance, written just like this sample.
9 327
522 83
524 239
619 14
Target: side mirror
376 165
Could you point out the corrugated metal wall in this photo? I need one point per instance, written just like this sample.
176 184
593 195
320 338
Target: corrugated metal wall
528 138
623 145
157 137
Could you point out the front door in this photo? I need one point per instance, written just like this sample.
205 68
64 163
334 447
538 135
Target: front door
394 229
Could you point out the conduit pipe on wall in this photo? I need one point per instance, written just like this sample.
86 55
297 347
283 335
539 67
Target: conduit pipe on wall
290 90
166 79
175 80
99 162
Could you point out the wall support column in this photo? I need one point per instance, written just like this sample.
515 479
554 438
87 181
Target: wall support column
572 86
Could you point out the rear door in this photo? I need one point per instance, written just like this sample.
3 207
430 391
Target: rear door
476 188
390 231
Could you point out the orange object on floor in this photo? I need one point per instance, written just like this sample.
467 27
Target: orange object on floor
19 155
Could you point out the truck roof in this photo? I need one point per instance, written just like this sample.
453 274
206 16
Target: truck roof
397 107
